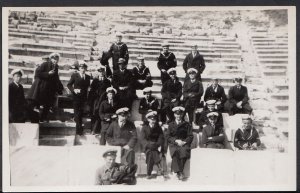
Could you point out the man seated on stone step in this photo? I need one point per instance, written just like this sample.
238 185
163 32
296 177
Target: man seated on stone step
238 100
152 140
148 103
166 60
104 62
118 50
107 112
179 137
171 93
247 138
96 95
122 132
213 134
141 75
202 119
192 92
123 81
17 102
115 173
194 60
78 85
46 86
216 92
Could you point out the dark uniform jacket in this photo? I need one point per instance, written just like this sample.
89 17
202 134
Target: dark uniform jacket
171 90
216 133
142 74
210 94
182 131
119 50
45 86
196 89
76 82
196 62
145 105
122 79
151 138
121 136
203 120
97 93
17 102
166 61
106 110
235 95
248 136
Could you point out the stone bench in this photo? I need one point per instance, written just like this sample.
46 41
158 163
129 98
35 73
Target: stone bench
23 134
59 21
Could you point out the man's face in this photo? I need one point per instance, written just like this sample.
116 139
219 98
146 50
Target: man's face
141 64
119 39
82 70
212 119
247 124
110 96
211 107
178 116
173 76
152 121
238 83
147 95
101 74
122 66
192 75
54 60
110 160
165 49
194 49
17 77
215 82
122 117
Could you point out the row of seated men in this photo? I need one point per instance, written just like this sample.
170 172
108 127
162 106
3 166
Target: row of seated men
118 130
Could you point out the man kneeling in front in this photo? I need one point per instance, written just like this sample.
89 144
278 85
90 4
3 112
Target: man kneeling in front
115 173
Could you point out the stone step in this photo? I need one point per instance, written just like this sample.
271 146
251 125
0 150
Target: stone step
60 21
42 52
274 72
205 55
280 106
166 37
282 86
53 38
56 140
275 66
280 96
201 49
54 47
278 61
270 47
272 51
272 56
282 117
262 40
270 44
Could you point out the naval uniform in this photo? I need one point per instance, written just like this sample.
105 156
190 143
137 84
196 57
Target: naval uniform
116 51
166 61
182 131
194 61
217 134
235 95
141 74
151 139
106 111
247 136
121 135
146 105
192 92
81 82
172 89
216 93
17 103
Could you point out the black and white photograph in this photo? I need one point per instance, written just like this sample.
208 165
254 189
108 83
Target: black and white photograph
149 98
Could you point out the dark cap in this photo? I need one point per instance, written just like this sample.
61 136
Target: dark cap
110 153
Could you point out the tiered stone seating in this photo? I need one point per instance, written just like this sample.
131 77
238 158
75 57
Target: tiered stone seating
272 54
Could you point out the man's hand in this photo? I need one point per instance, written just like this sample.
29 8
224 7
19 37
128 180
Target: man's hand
173 100
245 146
209 138
142 81
254 146
126 147
77 91
163 70
51 72
239 104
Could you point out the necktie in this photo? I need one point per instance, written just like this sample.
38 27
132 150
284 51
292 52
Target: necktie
83 76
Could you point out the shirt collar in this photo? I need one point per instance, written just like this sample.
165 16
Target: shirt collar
16 84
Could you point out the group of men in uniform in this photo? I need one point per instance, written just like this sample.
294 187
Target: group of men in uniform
110 100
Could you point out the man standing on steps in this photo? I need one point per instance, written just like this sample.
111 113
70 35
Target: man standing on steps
45 86
194 60
122 132
118 50
78 85
238 100
166 60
